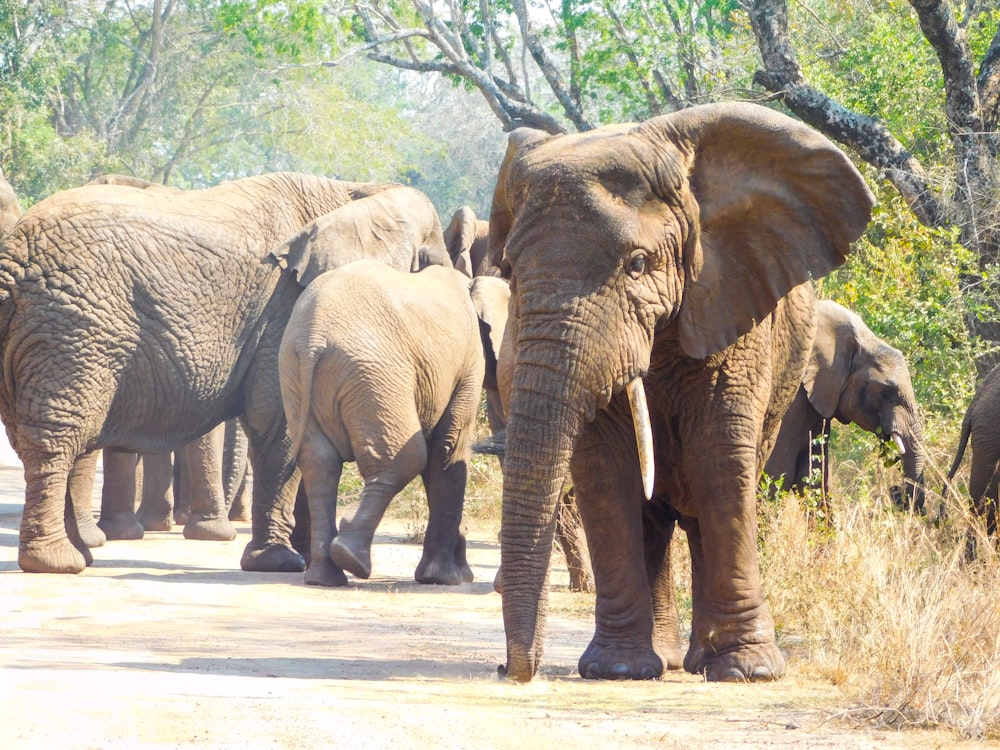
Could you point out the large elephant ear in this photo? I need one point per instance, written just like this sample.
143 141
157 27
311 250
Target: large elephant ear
501 212
832 359
779 204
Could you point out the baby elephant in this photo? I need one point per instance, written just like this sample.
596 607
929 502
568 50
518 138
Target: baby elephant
384 368
852 376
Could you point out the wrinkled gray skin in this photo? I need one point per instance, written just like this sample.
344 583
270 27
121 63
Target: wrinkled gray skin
151 476
401 401
981 426
140 319
679 251
852 376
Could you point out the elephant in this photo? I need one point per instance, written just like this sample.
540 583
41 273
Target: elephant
981 425
661 317
386 369
466 238
140 319
852 376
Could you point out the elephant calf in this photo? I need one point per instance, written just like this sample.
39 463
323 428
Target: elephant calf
384 368
855 377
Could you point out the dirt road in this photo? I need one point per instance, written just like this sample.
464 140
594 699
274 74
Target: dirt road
165 643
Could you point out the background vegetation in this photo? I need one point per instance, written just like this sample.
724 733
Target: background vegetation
192 92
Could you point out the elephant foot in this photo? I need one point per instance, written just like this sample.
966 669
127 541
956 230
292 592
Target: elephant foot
443 570
60 556
91 534
121 526
240 511
209 529
759 662
615 662
155 521
324 573
351 554
272 558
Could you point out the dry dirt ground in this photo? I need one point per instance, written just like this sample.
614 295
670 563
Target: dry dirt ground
165 643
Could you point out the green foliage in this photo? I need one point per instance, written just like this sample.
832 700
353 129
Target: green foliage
909 283
872 58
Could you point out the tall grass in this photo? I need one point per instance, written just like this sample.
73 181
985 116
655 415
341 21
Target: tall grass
888 605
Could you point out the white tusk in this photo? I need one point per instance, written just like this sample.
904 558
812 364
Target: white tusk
898 440
643 433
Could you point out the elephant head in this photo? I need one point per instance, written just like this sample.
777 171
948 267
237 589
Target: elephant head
683 231
466 238
854 376
391 223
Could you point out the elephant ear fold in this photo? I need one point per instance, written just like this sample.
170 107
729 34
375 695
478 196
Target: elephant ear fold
296 254
502 211
778 204
832 358
490 297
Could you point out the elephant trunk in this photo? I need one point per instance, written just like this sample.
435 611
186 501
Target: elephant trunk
544 419
913 470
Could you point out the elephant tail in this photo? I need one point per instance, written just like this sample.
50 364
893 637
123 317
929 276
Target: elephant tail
963 441
297 396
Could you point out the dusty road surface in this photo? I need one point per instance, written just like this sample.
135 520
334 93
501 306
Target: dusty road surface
165 643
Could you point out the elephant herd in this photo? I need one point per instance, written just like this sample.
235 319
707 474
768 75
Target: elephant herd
653 334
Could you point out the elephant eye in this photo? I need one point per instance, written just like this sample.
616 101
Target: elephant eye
890 393
635 266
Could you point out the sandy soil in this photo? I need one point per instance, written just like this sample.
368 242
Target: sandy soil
166 643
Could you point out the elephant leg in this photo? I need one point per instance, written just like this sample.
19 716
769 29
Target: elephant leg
732 632
573 543
445 487
384 479
609 496
321 466
209 519
236 463
118 519
182 489
276 478
659 521
45 545
156 509
80 493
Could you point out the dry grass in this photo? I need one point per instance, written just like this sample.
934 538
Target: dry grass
887 606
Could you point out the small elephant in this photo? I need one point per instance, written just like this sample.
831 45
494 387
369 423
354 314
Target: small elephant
852 376
981 425
384 368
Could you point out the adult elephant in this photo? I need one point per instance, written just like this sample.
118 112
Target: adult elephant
401 401
140 319
852 376
674 254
